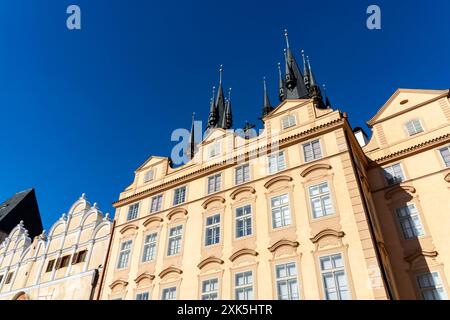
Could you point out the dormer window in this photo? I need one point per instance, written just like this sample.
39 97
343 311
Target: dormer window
414 127
288 121
149 175
214 150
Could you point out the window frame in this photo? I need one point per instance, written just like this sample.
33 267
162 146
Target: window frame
433 288
333 270
236 182
320 195
290 125
314 158
142 294
156 197
171 238
149 243
213 226
211 292
170 288
146 178
277 156
244 217
245 285
395 181
287 278
133 213
283 224
410 220
121 251
413 122
174 194
447 147
217 187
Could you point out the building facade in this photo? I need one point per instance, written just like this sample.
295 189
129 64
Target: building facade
66 264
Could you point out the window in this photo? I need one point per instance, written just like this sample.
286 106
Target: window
312 150
320 199
124 254
149 176
242 174
63 262
169 293
142 296
175 235
244 221
414 127
214 150
50 265
276 162
287 286
133 211
149 247
214 183
431 287
409 220
281 215
334 278
79 257
1 278
156 203
210 289
243 282
445 153
9 278
288 121
212 230
179 195
394 174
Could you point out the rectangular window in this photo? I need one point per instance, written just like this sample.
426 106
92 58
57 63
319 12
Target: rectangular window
409 220
64 261
156 204
169 293
414 127
9 278
334 279
394 174
1 278
124 254
214 150
431 287
79 257
281 215
288 121
243 221
276 162
142 296
445 154
148 176
149 247
287 286
243 285
212 230
179 195
214 183
242 174
210 289
320 199
175 236
50 265
312 150
133 211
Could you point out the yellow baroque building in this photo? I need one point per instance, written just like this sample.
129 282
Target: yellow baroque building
66 264
309 208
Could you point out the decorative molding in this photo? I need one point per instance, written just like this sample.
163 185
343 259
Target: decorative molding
418 253
118 282
209 260
283 242
276 179
314 167
243 252
168 270
143 276
447 178
152 219
175 211
240 190
389 193
327 232
128 227
212 199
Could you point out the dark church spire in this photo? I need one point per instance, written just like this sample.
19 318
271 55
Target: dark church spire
228 117
212 119
314 90
306 74
220 101
327 100
267 108
280 84
191 146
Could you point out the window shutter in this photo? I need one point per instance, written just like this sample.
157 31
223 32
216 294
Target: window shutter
75 257
58 263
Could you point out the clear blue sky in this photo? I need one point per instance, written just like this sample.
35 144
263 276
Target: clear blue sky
81 110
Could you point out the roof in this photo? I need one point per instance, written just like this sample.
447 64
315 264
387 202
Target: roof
7 206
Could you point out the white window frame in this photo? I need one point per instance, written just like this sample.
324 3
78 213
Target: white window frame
245 286
391 170
334 271
210 294
176 238
124 251
285 218
216 183
408 216
159 202
279 166
431 287
245 178
141 295
133 211
446 164
415 125
314 155
150 247
149 175
175 199
247 219
287 280
321 196
289 123
171 293
214 150
215 226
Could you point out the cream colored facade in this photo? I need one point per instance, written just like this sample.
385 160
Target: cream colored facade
65 265
331 255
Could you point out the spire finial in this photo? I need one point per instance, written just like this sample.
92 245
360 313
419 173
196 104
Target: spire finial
229 94
220 74
265 86
287 38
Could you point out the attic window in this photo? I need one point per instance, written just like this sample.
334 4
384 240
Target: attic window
404 101
148 176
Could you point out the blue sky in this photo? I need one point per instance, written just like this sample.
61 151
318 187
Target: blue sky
81 110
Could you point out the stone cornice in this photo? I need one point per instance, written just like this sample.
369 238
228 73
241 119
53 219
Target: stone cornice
226 162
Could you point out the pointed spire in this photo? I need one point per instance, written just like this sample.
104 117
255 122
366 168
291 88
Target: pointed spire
220 100
280 84
314 89
266 104
287 38
311 74
228 118
306 74
191 147
212 119
327 100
